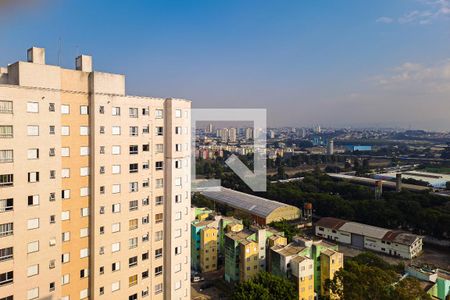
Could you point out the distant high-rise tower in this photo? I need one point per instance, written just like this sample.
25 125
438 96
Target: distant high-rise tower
330 147
232 135
271 134
210 128
223 134
249 133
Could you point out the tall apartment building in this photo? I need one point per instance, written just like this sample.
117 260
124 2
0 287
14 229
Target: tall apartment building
94 186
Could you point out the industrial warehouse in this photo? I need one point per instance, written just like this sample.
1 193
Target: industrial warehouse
263 211
395 243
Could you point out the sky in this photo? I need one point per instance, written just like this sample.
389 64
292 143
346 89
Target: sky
383 63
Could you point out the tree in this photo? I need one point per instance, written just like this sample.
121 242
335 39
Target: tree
447 185
368 277
289 230
265 286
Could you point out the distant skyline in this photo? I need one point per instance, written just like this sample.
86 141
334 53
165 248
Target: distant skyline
335 63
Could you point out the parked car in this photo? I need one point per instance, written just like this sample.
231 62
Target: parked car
197 279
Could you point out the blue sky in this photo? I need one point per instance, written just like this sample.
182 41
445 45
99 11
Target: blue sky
337 63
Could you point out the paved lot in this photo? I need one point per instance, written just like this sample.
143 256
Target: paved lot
432 256
218 291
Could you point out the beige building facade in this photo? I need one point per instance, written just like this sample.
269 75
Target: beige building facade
94 186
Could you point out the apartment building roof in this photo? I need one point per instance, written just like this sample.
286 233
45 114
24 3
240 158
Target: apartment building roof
239 236
300 258
203 223
328 252
289 250
249 203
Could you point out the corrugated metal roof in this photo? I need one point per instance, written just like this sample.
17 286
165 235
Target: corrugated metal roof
252 204
363 229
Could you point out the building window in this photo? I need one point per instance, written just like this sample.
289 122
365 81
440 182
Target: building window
6 278
101 109
159 131
158 165
145 111
116 188
159 200
158 288
6 180
116 208
159 183
51 107
115 247
33 153
133 112
84 130
6 204
133 187
132 280
65 109
132 243
116 111
146 148
6 131
158 253
32 130
134 168
65 194
6 156
159 113
132 224
6 107
84 110
134 131
158 271
32 247
115 150
134 149
32 107
115 130
33 177
6 253
159 235
178 113
159 218
134 205
115 286
33 224
132 261
65 152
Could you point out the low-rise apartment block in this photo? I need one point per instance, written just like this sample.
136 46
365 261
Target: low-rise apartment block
246 252
308 263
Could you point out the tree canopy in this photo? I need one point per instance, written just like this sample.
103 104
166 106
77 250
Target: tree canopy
265 286
367 276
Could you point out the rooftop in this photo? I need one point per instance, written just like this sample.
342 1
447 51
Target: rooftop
289 250
252 204
396 236
239 236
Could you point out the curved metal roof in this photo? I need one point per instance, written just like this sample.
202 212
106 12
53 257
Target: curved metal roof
252 204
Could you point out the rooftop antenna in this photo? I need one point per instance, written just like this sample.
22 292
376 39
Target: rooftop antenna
59 51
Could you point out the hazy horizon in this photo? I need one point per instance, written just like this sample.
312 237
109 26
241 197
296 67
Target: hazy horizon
332 63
